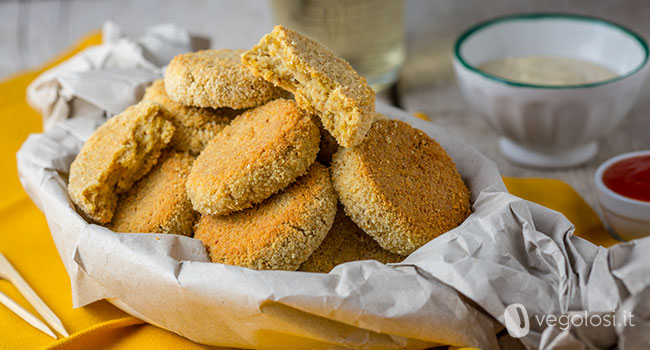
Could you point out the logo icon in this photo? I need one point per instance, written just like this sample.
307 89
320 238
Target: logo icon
517 322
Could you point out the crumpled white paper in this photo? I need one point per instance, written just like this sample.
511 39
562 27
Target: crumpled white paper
508 251
121 68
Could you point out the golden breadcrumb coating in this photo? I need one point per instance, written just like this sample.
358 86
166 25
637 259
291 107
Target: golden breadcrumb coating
216 78
400 187
115 156
195 127
321 82
261 152
346 242
279 233
158 202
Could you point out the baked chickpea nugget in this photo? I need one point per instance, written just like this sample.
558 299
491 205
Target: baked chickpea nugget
320 81
195 127
115 156
279 233
261 152
158 202
216 78
400 187
346 242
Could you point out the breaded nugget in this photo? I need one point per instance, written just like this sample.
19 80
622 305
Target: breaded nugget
320 82
279 233
195 127
158 202
346 242
115 156
258 154
216 78
400 187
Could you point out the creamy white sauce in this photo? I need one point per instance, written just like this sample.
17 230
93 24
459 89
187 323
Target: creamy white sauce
547 70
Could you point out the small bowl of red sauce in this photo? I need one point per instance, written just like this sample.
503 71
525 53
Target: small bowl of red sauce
623 185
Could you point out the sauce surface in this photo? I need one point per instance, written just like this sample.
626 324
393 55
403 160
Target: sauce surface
547 70
630 177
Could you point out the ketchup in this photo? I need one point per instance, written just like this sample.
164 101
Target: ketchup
630 177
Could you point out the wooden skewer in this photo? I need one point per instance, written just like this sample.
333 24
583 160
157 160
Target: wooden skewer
8 272
25 315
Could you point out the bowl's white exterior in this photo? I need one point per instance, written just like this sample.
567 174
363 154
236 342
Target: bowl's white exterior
549 127
629 218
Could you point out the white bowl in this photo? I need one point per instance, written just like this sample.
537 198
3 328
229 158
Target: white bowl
628 217
550 125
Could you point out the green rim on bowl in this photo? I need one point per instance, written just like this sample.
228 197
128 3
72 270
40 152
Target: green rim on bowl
533 16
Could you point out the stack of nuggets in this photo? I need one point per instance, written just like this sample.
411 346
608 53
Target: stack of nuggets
280 233
257 194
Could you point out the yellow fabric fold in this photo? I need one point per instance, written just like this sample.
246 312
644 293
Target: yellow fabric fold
559 196
25 240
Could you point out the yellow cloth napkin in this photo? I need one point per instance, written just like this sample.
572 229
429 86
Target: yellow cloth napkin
26 242
559 196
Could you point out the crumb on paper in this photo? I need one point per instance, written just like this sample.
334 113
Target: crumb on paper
422 116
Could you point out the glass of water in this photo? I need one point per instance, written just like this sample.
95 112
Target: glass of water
369 34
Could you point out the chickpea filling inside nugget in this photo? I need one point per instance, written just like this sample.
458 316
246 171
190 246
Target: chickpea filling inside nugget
115 156
320 81
195 126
